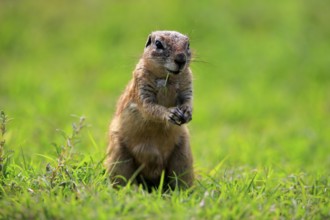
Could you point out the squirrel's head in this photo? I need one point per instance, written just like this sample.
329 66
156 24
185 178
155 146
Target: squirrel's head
168 51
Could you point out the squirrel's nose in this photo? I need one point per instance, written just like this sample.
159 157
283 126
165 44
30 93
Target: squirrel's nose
180 60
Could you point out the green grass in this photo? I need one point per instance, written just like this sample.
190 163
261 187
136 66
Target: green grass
260 129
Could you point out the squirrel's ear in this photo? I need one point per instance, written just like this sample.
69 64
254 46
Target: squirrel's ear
148 41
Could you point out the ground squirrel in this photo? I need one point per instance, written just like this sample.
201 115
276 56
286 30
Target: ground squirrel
148 134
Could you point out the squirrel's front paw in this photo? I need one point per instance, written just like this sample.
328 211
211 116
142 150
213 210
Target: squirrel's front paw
186 113
180 115
176 116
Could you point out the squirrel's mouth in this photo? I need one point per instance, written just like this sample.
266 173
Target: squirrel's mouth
173 72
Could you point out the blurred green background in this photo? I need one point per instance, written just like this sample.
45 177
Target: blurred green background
261 74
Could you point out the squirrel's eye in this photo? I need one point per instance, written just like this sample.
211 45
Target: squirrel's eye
159 45
188 46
